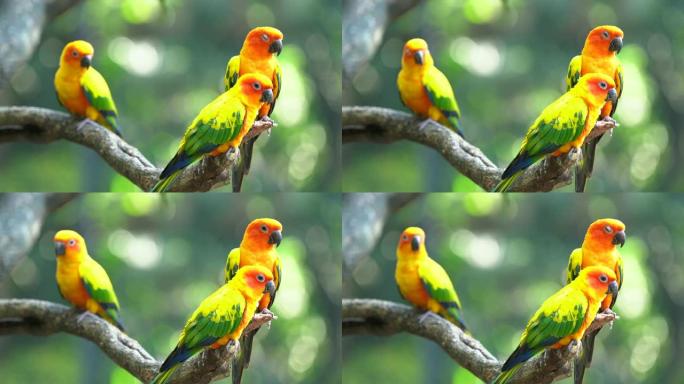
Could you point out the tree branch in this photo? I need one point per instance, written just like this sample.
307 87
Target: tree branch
383 125
21 219
42 318
42 125
384 318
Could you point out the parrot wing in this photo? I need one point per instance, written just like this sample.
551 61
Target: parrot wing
441 95
97 92
436 282
574 72
99 287
618 274
232 263
232 72
574 265
618 87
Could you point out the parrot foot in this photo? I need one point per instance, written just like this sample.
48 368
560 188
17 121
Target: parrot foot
233 344
425 123
233 154
83 315
267 120
575 346
425 315
575 153
83 123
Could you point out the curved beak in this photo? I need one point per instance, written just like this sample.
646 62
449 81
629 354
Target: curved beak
271 288
86 61
60 249
275 238
276 47
615 45
415 243
418 57
612 95
613 290
267 96
620 238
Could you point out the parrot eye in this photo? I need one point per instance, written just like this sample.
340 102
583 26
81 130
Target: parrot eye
404 237
603 278
74 53
264 229
605 35
608 229
260 278
603 85
72 242
264 37
256 86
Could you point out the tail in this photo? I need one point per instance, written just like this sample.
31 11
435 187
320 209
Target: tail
114 320
506 183
504 376
172 170
242 168
455 317
111 315
113 125
583 361
520 163
241 361
456 125
584 169
162 376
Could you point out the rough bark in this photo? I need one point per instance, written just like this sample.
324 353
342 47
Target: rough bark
42 125
43 318
384 318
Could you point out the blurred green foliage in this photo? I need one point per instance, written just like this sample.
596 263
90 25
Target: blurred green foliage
507 60
164 255
506 255
165 60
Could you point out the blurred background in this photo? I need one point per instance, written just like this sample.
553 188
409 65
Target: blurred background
515 250
164 60
507 60
164 255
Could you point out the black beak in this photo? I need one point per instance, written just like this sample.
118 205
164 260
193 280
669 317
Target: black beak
613 290
86 61
415 243
267 96
418 57
271 288
620 238
615 45
275 238
60 249
612 95
276 47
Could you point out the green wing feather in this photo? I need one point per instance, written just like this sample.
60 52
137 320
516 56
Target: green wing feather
232 72
99 287
441 95
440 288
220 121
99 96
574 72
232 263
574 265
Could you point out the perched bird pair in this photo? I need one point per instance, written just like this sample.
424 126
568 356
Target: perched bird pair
593 281
594 85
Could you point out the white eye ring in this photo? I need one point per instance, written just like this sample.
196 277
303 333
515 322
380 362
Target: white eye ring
257 86
264 37
608 229
605 34
603 278
72 242
603 85
260 278
263 228
404 237
74 53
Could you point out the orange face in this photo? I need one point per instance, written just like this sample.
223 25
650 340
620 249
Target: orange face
257 87
600 85
606 38
608 232
78 53
265 232
601 279
411 240
265 40
68 244
415 52
257 278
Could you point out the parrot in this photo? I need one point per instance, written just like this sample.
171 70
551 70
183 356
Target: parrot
220 318
82 90
599 248
258 247
562 318
562 125
599 55
422 281
82 281
258 55
424 89
219 126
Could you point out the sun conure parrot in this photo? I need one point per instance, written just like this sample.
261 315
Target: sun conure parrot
424 89
562 318
82 281
599 55
220 318
82 90
258 247
258 55
562 125
599 248
422 281
219 126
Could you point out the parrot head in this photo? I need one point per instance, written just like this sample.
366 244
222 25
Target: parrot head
78 53
264 41
263 233
598 87
69 244
411 240
257 278
608 233
604 39
255 88
601 279
416 54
